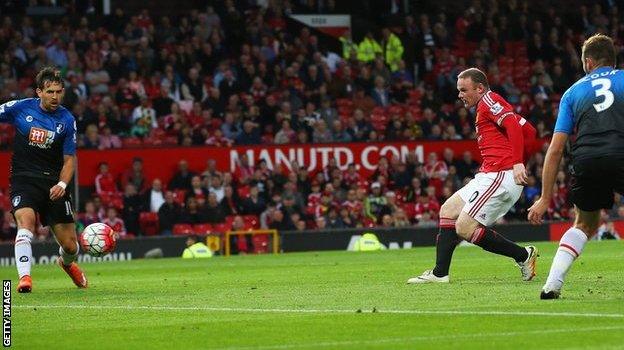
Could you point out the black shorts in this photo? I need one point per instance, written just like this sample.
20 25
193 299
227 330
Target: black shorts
595 180
28 192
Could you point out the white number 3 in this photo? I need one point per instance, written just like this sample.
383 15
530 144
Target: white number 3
603 90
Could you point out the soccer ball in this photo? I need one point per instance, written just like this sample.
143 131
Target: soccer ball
98 239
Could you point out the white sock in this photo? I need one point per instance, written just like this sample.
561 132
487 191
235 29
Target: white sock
68 258
570 247
23 252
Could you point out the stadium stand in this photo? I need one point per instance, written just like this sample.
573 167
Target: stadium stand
203 78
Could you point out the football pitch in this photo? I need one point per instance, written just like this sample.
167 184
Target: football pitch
325 300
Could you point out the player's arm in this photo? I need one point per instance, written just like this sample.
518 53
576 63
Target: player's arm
563 128
69 162
67 172
6 112
514 133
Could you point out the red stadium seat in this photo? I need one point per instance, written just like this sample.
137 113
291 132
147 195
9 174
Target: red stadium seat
222 227
132 142
149 224
252 220
396 109
170 141
182 229
260 244
230 219
202 229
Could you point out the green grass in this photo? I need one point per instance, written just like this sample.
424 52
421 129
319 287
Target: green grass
329 300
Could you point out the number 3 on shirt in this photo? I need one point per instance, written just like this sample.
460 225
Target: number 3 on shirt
603 90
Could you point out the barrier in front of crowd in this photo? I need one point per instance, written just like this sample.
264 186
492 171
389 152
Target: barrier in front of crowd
314 240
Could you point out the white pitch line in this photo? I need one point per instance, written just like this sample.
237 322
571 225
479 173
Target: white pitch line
421 338
325 311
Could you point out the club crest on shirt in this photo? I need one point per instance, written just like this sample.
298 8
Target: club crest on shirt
41 138
16 201
29 118
59 127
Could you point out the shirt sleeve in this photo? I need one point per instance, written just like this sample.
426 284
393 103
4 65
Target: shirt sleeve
7 114
565 118
69 144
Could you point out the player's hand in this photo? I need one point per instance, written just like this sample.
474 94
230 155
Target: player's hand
520 174
537 210
56 192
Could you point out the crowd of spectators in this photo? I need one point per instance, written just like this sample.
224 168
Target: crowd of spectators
233 74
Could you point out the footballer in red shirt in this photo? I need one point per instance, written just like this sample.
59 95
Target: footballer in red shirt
469 212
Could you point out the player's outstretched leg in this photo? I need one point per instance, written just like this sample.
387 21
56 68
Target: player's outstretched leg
65 234
446 241
23 256
493 242
67 261
488 239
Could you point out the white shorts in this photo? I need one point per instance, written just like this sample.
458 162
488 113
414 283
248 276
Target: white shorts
489 196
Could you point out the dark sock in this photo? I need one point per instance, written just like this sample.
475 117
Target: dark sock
493 242
446 242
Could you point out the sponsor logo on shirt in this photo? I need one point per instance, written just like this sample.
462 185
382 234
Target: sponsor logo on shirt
41 138
496 108
16 200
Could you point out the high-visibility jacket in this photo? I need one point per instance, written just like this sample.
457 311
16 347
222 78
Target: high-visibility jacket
197 250
368 242
393 52
367 50
347 46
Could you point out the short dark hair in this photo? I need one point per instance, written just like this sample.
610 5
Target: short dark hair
476 75
600 48
48 75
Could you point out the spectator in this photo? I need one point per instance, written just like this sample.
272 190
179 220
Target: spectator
182 178
466 167
249 135
116 223
90 216
143 118
214 212
104 181
91 139
135 176
375 203
196 189
193 88
108 140
132 207
216 187
168 214
286 134
254 204
192 214
380 93
321 134
607 231
281 222
96 77
154 197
